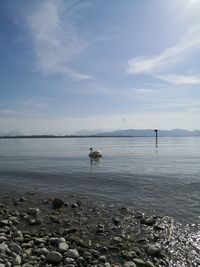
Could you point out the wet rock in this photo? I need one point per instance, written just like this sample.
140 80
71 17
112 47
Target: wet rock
53 257
57 203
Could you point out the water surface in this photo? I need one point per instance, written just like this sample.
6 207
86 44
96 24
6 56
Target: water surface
132 171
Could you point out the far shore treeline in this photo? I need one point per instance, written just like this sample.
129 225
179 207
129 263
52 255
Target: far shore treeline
119 133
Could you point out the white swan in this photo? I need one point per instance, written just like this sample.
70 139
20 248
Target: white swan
95 154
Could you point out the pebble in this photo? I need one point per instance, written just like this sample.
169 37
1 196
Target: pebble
72 253
3 247
69 260
121 238
17 260
3 238
34 211
4 223
15 248
153 249
139 262
130 264
53 257
63 246
149 264
57 203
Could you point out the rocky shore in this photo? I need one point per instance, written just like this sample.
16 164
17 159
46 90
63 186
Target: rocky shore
74 232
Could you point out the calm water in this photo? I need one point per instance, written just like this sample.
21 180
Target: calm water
132 171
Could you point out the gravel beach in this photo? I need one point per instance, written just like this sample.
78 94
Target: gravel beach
72 231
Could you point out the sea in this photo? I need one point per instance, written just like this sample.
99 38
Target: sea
132 172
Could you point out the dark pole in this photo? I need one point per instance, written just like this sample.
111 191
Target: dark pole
156 131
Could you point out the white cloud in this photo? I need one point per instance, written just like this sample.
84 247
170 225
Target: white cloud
55 37
170 57
181 79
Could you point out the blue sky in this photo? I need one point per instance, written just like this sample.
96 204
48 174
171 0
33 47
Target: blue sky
99 65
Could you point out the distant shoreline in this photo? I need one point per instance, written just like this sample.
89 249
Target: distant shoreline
118 133
86 136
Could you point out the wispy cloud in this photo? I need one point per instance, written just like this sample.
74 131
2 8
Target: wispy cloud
55 38
181 79
6 111
170 57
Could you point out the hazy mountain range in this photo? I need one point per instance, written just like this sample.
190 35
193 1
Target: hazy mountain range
150 132
128 132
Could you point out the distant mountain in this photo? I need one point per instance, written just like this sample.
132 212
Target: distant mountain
150 132
87 132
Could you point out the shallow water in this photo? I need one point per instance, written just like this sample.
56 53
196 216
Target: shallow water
132 171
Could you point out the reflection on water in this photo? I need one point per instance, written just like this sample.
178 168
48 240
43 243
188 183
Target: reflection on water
94 163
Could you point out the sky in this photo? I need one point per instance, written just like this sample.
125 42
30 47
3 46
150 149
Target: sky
70 66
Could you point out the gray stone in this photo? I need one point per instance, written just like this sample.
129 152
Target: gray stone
129 255
63 246
72 253
17 260
149 264
34 211
130 264
4 223
27 265
69 260
102 259
139 262
53 257
15 248
94 252
3 247
153 249
43 251
3 238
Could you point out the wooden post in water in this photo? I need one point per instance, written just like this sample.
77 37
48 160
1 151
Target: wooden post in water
156 131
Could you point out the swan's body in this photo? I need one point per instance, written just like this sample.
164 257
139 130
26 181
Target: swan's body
95 154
